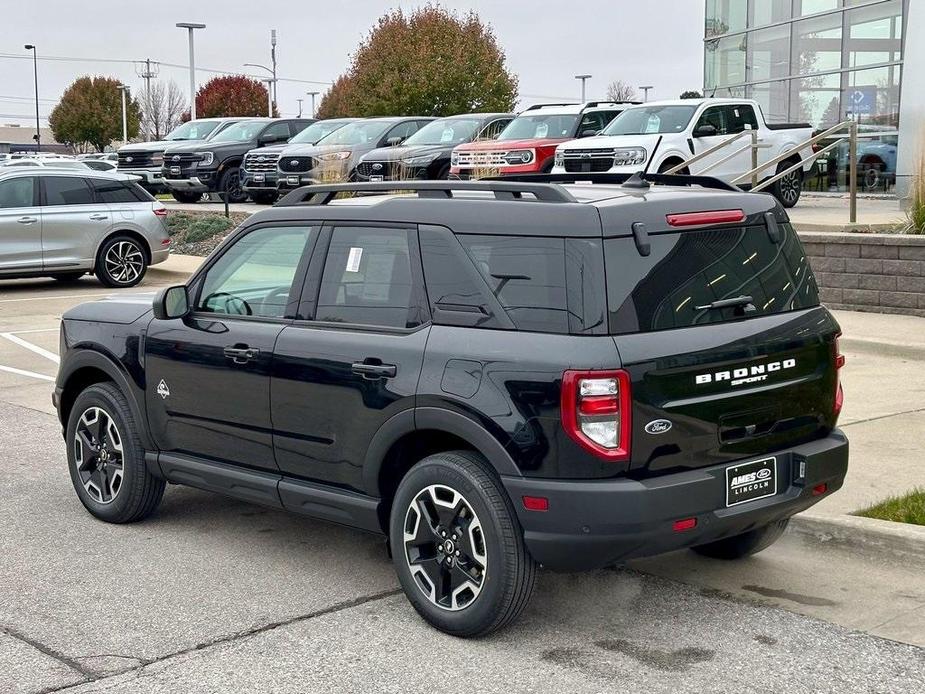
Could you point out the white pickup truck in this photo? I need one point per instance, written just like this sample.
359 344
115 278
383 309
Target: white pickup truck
659 135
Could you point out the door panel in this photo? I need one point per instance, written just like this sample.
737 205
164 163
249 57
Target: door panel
73 222
20 226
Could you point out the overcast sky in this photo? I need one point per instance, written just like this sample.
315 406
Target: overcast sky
653 42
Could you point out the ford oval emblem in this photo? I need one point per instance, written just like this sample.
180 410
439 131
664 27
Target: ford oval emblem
293 162
129 159
176 157
658 426
377 167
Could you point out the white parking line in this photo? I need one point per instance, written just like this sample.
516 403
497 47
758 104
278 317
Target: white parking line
23 372
51 356
48 298
36 330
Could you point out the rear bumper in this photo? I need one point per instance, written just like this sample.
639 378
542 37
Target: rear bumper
593 524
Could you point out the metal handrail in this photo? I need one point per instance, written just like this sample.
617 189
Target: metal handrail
707 152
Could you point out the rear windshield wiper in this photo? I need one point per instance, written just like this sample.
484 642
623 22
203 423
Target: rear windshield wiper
745 302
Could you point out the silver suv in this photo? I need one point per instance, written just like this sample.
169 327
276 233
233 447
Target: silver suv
66 223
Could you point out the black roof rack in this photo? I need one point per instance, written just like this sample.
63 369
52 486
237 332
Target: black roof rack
536 106
620 179
502 189
594 104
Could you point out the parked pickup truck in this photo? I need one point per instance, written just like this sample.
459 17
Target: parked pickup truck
215 166
659 135
145 159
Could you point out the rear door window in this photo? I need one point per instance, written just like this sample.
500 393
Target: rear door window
115 191
686 271
66 190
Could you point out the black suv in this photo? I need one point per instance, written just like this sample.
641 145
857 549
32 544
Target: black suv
214 166
496 375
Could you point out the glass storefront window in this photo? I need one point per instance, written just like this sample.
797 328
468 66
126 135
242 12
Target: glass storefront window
875 34
817 44
774 99
725 16
769 53
817 100
802 8
724 61
764 12
872 96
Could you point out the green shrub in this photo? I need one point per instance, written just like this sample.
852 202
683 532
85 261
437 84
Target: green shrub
916 212
909 508
207 227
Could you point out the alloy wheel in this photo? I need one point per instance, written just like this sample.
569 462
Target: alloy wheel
98 455
124 262
790 187
445 547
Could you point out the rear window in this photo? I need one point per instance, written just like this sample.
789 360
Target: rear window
686 271
119 191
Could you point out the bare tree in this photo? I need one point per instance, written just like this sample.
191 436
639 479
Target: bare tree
619 91
161 109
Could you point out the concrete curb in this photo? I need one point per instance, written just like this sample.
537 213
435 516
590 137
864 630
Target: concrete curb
875 538
881 347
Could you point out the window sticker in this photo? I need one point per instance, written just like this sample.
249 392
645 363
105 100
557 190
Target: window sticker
353 259
446 135
653 125
542 130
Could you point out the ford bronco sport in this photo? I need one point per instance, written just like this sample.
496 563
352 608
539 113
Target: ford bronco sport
496 375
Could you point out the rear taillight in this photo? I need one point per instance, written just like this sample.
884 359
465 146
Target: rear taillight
160 211
596 411
691 219
839 363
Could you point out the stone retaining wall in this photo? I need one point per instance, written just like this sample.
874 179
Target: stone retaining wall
883 273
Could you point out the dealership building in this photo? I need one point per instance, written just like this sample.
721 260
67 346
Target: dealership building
823 62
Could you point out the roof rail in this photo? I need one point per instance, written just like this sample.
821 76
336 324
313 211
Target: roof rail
619 179
536 106
594 104
502 189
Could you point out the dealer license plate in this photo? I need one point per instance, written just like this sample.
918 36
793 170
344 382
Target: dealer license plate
259 178
750 481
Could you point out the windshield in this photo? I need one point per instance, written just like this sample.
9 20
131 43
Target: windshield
551 126
316 131
194 130
447 131
359 133
644 120
240 132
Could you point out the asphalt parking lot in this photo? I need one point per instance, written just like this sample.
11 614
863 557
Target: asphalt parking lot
214 595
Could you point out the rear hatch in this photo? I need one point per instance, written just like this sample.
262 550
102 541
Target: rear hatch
711 382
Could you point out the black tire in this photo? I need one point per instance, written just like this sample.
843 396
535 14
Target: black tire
746 544
139 492
444 173
264 198
788 189
489 528
181 196
111 271
670 164
230 186
68 276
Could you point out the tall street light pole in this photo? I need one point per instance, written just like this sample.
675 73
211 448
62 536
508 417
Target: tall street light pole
313 95
35 73
190 26
271 85
645 91
273 62
300 107
583 78
123 88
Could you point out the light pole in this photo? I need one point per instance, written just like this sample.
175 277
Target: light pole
35 73
300 107
273 61
313 95
123 88
583 78
271 83
645 91
190 26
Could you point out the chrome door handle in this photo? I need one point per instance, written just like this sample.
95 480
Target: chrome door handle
27 220
99 217
241 355
373 371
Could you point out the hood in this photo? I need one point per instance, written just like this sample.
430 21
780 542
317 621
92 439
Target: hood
611 141
507 145
208 146
120 308
307 150
269 149
406 152
155 145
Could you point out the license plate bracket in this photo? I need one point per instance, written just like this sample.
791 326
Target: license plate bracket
293 180
750 481
259 178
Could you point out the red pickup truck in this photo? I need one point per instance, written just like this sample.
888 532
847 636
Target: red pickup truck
528 144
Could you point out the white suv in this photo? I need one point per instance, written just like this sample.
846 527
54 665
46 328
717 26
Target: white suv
65 223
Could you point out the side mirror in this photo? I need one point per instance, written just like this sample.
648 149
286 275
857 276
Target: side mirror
393 141
265 140
588 133
705 130
171 303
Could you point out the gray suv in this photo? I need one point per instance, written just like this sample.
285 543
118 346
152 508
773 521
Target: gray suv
66 223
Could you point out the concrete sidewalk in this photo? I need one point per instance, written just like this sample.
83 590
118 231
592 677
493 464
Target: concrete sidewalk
828 212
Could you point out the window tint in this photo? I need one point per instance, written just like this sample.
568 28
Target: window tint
739 118
115 191
278 130
526 275
715 116
403 130
493 129
67 190
17 192
254 276
368 279
596 120
688 270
